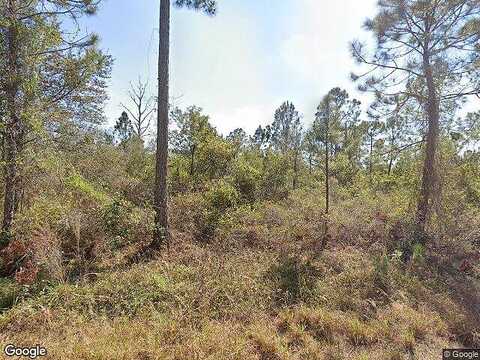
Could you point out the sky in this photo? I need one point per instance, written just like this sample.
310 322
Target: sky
240 65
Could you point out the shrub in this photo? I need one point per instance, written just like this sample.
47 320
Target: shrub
115 220
381 273
246 180
295 279
9 291
184 211
85 189
47 255
217 200
274 182
125 223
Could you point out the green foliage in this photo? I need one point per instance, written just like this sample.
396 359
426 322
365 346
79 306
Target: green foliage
261 287
123 128
5 238
200 154
85 189
110 296
381 273
246 179
9 292
296 280
114 219
179 180
274 182
218 200
209 7
469 170
221 196
418 253
344 170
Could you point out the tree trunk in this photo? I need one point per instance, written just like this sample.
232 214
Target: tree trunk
429 178
370 167
192 160
326 235
9 205
161 234
327 178
295 170
12 128
392 154
390 166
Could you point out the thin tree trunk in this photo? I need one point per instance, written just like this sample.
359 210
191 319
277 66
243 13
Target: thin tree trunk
295 170
327 178
10 181
327 194
192 161
392 156
390 165
370 167
161 234
12 129
429 178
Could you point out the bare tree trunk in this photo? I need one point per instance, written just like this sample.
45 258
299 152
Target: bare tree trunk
192 160
392 154
9 205
161 234
295 170
429 178
326 235
390 165
12 128
327 178
370 166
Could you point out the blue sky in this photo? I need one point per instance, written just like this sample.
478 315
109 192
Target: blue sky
240 65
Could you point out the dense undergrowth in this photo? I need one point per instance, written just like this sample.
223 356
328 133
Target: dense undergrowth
246 276
260 287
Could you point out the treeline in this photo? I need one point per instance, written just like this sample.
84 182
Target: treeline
381 149
68 181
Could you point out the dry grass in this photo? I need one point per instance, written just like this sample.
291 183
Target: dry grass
258 290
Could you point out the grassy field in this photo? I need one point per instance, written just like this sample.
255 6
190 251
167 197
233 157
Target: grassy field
262 289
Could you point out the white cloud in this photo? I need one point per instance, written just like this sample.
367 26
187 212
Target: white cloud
248 117
317 51
240 65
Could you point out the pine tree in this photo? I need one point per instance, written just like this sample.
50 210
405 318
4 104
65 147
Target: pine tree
161 234
426 50
123 128
44 73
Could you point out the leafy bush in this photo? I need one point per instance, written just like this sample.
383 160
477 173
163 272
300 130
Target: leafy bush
246 180
217 200
8 293
115 217
84 188
274 183
295 279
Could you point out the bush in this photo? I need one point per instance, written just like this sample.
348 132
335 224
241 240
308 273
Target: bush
85 189
296 280
8 293
125 223
274 182
217 200
246 180
115 220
